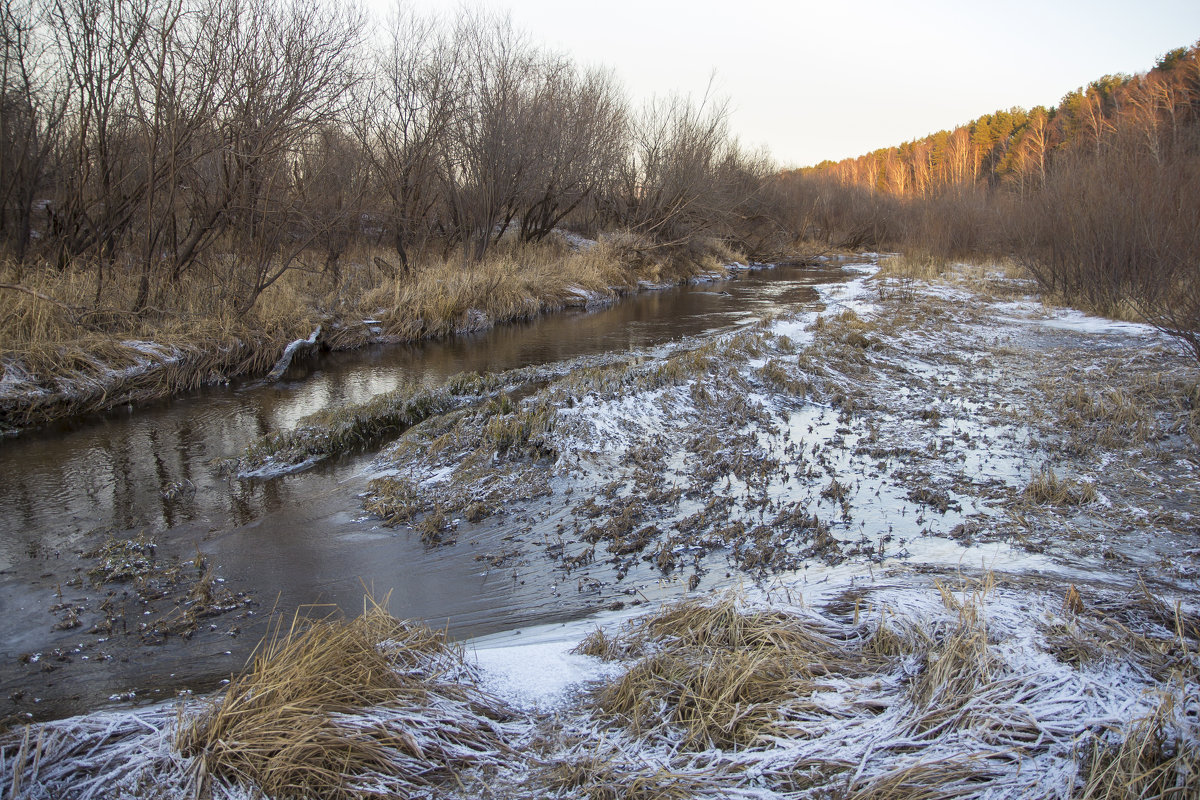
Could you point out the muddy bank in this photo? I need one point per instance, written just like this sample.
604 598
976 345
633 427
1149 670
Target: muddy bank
124 373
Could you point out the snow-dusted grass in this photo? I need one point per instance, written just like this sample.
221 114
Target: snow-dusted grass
962 536
949 690
958 685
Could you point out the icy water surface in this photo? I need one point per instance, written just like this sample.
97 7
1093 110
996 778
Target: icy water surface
289 541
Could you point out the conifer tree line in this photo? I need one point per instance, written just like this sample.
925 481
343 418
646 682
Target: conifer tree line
1099 196
234 140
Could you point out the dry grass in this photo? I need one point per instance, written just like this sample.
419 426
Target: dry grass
957 666
1154 758
720 674
598 779
336 430
1046 488
64 350
519 281
1111 417
296 724
935 780
516 282
913 266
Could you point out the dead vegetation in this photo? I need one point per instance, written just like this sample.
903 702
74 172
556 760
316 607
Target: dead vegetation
721 675
715 686
1155 756
54 368
346 709
948 698
1047 488
137 591
901 403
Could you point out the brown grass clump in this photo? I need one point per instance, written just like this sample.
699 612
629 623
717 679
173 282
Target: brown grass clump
845 328
956 666
339 709
1114 417
936 780
1046 488
1154 759
599 779
599 644
913 266
721 674
891 640
342 428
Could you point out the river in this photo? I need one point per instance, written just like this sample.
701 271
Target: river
295 540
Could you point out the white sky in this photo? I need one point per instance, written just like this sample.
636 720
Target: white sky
815 80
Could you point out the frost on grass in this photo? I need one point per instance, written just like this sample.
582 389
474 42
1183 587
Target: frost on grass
950 691
373 707
931 685
905 413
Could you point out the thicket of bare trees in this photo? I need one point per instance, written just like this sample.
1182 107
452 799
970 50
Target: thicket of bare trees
227 142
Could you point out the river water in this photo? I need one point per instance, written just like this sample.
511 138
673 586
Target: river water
299 539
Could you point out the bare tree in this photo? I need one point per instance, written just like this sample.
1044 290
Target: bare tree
486 165
575 132
406 121
288 69
31 110
99 182
667 183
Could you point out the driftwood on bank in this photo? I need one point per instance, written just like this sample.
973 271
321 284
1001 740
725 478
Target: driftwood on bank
297 347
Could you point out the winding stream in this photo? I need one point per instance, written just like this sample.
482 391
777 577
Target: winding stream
296 540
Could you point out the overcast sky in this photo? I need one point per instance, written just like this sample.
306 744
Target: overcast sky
816 80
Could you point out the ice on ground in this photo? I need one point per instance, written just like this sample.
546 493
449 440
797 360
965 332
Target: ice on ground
534 668
854 295
1072 320
576 241
1069 319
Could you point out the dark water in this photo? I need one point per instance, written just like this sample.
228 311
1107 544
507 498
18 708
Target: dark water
296 540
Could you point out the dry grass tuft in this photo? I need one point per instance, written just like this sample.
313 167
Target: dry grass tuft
913 266
599 779
891 639
332 708
722 675
599 644
956 666
1155 758
935 780
1046 488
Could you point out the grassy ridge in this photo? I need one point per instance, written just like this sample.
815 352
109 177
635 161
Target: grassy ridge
61 357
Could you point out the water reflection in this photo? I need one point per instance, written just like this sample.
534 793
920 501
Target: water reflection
298 539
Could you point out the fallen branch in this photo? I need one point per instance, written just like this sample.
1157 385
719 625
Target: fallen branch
289 353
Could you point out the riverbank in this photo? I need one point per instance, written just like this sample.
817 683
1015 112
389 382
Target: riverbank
60 361
963 524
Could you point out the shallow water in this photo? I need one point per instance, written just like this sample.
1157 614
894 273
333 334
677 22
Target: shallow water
300 539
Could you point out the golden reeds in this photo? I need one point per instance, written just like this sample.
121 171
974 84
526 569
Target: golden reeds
1154 758
1046 488
721 674
75 352
331 707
